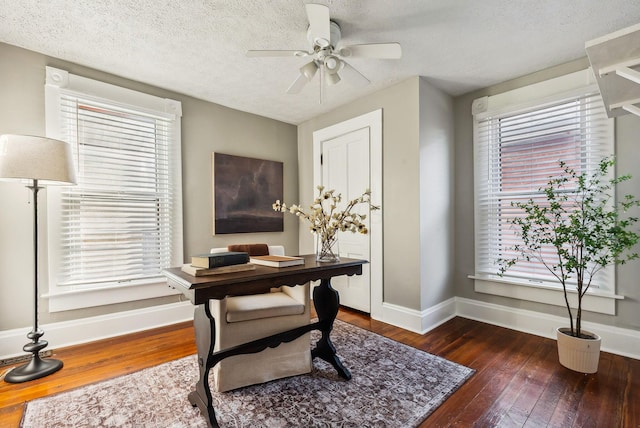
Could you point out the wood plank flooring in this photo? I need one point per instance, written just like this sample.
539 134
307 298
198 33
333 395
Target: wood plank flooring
518 383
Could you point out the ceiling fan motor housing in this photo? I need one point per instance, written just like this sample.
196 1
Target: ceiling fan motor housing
319 44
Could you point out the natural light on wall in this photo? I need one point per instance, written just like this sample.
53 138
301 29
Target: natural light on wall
112 234
519 138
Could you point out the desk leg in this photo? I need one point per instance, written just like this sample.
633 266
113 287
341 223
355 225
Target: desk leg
204 325
327 301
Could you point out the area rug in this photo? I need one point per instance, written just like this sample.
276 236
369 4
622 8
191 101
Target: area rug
393 385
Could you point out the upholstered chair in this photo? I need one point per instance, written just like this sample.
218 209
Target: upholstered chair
241 319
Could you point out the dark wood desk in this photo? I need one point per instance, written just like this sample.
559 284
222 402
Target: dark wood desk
200 290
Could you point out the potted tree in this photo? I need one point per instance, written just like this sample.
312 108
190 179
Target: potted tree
581 229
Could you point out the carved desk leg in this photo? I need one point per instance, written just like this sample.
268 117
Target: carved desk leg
327 301
204 326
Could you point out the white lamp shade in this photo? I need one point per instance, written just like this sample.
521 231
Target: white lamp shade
309 70
36 158
332 78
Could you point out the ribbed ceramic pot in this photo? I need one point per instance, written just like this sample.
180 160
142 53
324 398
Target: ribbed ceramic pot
578 354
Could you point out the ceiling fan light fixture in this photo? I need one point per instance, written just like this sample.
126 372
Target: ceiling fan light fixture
332 64
309 70
332 78
345 52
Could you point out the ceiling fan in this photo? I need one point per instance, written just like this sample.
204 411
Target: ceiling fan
324 35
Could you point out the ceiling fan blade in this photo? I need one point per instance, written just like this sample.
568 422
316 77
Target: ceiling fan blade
261 53
373 50
297 84
319 26
353 76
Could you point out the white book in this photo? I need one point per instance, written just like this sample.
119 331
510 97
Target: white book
276 261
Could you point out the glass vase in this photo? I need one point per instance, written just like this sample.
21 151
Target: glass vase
327 250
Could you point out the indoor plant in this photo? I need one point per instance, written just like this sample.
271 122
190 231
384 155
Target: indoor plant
326 220
581 226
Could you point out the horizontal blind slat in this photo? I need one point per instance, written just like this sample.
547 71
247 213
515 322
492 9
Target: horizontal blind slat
116 223
515 155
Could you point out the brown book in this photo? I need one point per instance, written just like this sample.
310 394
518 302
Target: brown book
200 271
276 261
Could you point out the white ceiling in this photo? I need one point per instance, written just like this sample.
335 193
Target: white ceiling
197 47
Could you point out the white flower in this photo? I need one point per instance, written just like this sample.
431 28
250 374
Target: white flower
327 223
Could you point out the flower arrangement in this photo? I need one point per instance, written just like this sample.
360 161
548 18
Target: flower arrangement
326 220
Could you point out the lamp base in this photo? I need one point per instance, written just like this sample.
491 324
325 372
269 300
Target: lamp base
34 369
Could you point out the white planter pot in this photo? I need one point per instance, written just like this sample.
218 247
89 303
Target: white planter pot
577 354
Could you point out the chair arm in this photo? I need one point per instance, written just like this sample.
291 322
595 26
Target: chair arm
299 293
218 310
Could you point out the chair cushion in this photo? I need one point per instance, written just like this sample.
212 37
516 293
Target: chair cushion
257 306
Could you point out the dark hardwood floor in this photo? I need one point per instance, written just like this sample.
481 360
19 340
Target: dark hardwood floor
518 380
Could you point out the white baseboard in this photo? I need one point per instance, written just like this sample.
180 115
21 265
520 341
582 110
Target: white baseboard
616 340
620 341
67 333
418 321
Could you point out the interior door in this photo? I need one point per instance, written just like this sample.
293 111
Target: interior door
345 168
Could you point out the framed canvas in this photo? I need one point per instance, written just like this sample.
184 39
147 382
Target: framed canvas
244 190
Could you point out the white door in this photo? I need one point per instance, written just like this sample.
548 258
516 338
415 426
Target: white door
352 162
345 168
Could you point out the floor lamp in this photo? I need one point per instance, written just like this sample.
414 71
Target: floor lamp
40 161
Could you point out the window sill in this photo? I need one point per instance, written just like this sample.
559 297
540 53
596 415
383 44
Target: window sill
78 298
594 301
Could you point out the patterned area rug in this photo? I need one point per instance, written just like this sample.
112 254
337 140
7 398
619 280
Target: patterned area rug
393 385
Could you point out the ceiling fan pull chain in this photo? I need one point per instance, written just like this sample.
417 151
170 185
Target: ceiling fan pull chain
322 71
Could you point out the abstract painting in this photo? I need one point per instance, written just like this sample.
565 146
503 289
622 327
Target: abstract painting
244 190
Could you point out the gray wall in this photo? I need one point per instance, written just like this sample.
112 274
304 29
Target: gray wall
417 133
437 174
206 127
400 133
628 155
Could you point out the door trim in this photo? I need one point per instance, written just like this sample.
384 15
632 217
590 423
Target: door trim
373 121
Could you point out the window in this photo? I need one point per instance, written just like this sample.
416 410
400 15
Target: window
516 149
121 225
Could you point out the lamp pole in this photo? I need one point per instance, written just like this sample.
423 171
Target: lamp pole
37 367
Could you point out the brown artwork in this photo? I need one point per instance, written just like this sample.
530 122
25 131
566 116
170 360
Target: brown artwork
244 190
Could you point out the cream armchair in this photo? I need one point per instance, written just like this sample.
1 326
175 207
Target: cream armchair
241 319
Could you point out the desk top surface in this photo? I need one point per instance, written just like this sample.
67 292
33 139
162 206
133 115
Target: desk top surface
261 279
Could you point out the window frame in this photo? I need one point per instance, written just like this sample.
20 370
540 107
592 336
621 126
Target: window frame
512 102
62 298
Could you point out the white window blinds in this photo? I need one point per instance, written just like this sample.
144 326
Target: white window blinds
116 224
515 154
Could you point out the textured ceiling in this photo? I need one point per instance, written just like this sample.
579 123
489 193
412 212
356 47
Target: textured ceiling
197 47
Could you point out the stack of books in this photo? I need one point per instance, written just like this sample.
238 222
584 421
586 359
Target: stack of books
218 263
